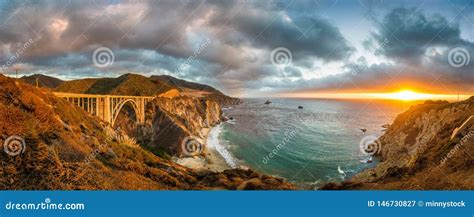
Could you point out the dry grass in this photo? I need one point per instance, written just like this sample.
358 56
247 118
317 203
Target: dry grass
68 149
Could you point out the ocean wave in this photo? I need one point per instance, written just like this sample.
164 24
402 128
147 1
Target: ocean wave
213 142
231 121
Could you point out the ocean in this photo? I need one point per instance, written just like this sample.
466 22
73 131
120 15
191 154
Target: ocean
311 146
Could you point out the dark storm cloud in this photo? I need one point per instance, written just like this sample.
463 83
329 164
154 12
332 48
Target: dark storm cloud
304 36
433 74
151 36
436 76
234 40
407 33
162 25
420 45
417 47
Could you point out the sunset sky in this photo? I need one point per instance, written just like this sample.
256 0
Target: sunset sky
365 46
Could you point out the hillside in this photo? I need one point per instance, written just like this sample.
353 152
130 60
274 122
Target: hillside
43 81
182 84
417 151
138 85
128 84
65 148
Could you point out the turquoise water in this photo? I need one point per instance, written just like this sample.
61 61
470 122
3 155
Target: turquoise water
309 146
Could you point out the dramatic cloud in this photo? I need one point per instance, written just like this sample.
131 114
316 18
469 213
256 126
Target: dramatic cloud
407 34
417 50
228 44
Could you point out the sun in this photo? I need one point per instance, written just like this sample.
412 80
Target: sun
404 95
408 95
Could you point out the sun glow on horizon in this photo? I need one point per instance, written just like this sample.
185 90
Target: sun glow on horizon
408 95
402 95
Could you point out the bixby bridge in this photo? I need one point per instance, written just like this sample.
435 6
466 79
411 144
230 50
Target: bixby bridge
107 107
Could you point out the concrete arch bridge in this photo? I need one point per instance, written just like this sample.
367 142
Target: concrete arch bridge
107 107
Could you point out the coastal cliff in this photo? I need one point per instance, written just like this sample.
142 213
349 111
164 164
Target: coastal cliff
417 151
59 146
171 120
182 108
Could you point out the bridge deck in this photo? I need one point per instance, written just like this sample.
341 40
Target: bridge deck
107 107
62 94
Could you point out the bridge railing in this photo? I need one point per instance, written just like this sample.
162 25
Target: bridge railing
107 107
62 94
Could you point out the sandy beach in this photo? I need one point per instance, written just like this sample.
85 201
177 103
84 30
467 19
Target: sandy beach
212 159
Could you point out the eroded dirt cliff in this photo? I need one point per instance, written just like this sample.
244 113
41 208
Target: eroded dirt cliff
66 148
171 120
417 151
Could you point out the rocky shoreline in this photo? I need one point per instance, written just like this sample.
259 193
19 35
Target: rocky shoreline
211 159
418 151
68 149
396 171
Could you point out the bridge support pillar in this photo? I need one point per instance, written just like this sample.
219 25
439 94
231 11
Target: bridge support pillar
107 110
107 107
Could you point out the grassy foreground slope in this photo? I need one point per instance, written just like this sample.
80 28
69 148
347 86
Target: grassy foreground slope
66 148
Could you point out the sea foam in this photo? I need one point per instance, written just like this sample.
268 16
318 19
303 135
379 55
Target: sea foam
213 142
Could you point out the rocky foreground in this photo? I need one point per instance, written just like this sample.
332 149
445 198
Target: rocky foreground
66 148
418 151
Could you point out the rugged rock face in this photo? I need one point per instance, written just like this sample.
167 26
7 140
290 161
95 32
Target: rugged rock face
417 151
65 148
170 121
223 100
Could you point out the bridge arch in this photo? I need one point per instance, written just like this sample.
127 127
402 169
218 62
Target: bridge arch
108 107
119 106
